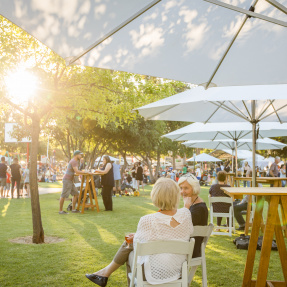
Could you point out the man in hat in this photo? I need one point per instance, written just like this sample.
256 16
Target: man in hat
68 184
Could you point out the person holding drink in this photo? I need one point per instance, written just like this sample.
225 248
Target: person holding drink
169 223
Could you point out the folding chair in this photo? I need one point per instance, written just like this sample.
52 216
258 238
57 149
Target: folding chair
205 232
159 247
229 215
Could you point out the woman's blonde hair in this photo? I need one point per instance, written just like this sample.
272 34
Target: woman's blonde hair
165 194
192 181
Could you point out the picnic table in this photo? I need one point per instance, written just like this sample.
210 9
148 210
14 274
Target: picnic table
87 182
274 197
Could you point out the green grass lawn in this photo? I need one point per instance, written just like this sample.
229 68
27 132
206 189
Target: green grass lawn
92 239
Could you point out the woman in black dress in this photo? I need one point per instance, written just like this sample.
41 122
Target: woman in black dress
215 190
139 176
190 189
107 182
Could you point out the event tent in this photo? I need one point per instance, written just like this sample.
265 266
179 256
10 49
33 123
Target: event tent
203 157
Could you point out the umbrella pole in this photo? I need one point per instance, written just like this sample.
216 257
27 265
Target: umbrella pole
232 160
253 143
236 167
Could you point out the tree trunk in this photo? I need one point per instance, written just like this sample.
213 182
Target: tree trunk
152 178
157 165
68 145
123 168
38 231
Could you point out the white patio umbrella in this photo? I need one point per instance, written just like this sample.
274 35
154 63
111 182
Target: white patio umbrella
253 104
203 157
227 153
192 41
258 162
246 144
242 144
230 131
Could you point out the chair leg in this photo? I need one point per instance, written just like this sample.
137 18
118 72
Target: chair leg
204 273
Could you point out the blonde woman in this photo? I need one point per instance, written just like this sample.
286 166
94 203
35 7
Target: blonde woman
169 223
190 190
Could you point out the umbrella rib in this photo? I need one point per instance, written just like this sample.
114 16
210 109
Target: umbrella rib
273 112
227 50
227 109
248 13
113 31
215 136
278 5
218 107
265 109
246 109
226 135
238 108
240 134
276 113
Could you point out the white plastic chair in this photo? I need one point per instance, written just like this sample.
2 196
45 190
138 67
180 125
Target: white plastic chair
159 247
205 232
229 215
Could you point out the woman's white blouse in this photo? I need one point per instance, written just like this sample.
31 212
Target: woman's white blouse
163 268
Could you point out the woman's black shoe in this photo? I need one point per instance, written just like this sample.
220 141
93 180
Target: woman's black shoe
99 280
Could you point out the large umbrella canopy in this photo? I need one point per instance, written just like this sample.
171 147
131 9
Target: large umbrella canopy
233 131
222 105
203 157
251 104
192 41
246 144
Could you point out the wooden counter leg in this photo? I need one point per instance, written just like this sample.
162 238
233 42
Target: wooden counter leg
281 247
85 196
90 177
267 241
95 196
81 192
248 213
284 212
253 243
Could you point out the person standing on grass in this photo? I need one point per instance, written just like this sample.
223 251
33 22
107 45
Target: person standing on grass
26 179
68 184
108 182
139 176
117 177
274 170
3 170
16 176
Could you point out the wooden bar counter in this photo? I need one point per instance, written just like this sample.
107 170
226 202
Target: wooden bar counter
274 197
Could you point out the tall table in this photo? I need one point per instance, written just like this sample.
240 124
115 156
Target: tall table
276 181
274 197
90 188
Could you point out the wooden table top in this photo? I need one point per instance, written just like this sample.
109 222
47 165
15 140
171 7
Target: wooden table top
260 178
255 190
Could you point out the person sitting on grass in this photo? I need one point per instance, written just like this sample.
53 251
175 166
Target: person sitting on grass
215 190
169 223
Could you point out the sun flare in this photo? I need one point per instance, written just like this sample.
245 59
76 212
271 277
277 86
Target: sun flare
21 85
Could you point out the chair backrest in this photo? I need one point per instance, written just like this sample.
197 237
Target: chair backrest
213 199
159 247
162 246
203 231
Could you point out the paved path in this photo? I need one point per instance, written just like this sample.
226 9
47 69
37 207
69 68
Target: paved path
44 190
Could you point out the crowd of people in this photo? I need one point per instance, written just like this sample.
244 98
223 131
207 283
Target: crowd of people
13 177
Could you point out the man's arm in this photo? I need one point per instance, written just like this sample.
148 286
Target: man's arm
77 171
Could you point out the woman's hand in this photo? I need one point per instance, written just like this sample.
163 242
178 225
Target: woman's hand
187 201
